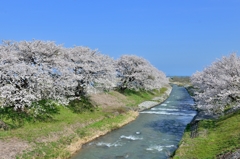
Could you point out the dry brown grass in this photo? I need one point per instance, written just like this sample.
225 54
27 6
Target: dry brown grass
67 131
106 100
11 147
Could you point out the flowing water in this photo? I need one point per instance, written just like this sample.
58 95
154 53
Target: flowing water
155 134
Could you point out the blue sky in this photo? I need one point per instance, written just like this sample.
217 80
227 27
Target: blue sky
178 37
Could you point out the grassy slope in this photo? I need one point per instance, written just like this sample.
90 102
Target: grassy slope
216 137
68 131
135 98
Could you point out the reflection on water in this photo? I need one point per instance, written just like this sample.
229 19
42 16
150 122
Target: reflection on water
155 134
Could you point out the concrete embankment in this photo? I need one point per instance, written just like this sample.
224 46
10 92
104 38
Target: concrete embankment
156 100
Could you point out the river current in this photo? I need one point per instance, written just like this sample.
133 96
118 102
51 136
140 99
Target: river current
155 134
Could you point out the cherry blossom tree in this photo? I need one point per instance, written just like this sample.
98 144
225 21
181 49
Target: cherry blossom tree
37 70
27 74
91 69
218 85
137 73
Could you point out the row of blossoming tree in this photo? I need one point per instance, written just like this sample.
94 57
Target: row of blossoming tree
32 71
218 85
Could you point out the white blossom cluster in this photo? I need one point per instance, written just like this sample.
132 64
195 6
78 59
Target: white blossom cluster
31 71
137 73
218 85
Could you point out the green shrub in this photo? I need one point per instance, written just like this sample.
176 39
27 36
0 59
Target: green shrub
39 111
81 105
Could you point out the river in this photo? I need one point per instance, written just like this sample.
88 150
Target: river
155 134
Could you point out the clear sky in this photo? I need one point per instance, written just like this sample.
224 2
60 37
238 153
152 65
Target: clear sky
178 37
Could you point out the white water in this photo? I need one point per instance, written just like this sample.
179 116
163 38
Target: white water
169 113
166 109
108 144
159 148
131 137
164 105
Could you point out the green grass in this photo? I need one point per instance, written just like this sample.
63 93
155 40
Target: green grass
56 149
36 132
216 137
47 151
33 130
134 98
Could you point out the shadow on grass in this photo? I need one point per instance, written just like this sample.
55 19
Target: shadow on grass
41 111
81 105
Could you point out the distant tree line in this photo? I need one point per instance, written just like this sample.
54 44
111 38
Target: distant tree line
180 79
36 72
218 86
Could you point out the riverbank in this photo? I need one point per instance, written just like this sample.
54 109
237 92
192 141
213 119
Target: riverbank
216 138
65 135
156 100
209 136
